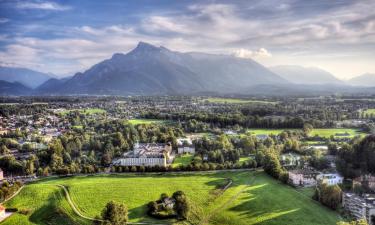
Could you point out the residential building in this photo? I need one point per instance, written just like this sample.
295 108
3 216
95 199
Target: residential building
330 178
367 181
360 207
147 154
303 177
1 175
185 145
290 160
2 211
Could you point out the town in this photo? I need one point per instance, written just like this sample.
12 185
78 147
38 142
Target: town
321 147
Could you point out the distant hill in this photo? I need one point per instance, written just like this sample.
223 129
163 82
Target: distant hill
8 88
305 75
149 70
27 77
367 79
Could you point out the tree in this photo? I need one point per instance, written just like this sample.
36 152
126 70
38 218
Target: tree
181 206
115 213
329 196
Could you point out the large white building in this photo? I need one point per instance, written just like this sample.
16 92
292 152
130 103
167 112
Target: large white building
330 178
146 155
302 177
360 207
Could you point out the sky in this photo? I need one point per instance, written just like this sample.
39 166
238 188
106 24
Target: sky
65 37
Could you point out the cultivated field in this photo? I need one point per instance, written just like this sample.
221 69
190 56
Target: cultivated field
253 198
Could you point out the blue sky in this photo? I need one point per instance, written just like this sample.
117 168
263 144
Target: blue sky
64 37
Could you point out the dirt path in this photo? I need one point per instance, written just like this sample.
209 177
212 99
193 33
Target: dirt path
206 219
13 195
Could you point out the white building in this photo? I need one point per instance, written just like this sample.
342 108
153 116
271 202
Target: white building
359 207
185 145
146 155
330 178
302 177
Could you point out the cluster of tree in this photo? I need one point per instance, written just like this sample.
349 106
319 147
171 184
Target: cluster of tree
355 222
328 195
113 214
176 206
270 161
8 190
357 158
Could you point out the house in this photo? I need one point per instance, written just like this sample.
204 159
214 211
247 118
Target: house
147 154
330 178
303 177
2 211
1 175
262 136
367 181
290 160
185 145
360 207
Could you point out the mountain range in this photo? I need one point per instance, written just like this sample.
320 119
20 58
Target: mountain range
151 70
367 80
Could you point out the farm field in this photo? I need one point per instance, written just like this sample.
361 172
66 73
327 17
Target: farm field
145 121
88 111
236 101
253 198
182 160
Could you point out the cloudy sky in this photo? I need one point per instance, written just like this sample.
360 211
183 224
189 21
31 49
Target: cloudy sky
68 36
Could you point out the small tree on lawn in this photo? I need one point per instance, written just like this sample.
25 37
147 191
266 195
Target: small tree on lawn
181 205
115 213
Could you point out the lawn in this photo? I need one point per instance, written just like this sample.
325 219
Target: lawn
145 121
88 111
182 160
253 198
329 132
268 131
236 101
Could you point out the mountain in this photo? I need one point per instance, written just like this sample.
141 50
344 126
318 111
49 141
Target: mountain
367 79
8 88
305 75
149 70
27 77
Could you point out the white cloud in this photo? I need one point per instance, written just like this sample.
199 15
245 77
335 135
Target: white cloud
42 5
248 54
4 20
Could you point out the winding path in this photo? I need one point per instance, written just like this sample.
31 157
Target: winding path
14 194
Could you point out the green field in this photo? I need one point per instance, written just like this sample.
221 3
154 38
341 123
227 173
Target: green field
326 132
236 101
329 132
267 131
145 121
182 160
88 111
253 198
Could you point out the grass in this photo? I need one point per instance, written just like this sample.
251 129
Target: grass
236 101
329 132
88 111
244 159
182 160
145 121
268 131
326 132
253 198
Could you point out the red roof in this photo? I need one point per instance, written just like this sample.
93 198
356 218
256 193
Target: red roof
2 208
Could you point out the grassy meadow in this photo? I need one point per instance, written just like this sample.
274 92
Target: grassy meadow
324 132
369 112
253 198
182 160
